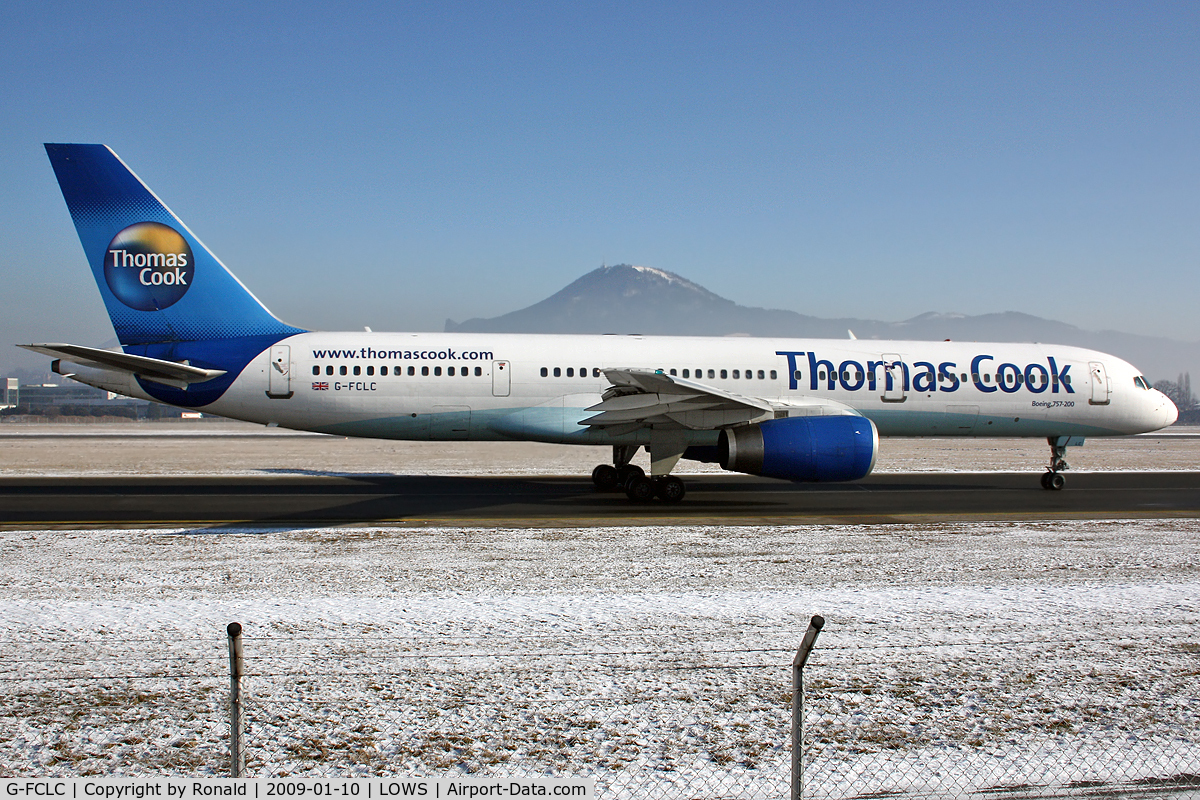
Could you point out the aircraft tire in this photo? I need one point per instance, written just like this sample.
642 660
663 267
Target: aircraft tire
628 473
1046 479
1056 481
670 489
640 489
606 477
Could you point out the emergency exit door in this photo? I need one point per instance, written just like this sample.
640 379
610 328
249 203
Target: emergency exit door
501 378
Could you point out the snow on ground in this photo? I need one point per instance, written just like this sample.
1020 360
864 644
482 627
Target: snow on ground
956 657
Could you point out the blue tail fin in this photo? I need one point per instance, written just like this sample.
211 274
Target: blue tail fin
160 284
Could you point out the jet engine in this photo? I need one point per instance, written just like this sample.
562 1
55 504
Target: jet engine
810 449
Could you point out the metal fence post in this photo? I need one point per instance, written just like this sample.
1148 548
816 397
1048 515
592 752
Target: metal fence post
806 646
237 743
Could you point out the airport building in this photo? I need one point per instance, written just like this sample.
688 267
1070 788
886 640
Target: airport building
76 400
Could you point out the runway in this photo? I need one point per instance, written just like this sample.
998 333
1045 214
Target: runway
525 501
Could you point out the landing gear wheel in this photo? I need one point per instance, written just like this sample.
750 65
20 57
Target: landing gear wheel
670 489
628 472
606 477
1052 478
640 488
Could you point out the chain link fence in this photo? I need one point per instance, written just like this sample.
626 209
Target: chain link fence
982 719
1009 719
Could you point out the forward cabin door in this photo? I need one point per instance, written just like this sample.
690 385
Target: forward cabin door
279 380
1099 384
501 378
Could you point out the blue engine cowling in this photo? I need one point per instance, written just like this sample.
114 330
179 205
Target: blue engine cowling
810 449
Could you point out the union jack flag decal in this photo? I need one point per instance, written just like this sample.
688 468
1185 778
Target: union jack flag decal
320 387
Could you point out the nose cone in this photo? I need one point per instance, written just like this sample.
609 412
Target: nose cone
1169 412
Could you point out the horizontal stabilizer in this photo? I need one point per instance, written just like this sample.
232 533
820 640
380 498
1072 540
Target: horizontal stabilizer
171 373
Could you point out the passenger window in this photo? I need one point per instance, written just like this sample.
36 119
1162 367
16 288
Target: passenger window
342 370
317 370
357 370
545 372
424 371
329 370
383 371
724 374
478 371
413 370
798 375
437 372
762 375
557 372
774 375
736 374
370 370
450 371
672 372
570 372
821 375
396 370
964 377
712 373
687 373
595 372
583 372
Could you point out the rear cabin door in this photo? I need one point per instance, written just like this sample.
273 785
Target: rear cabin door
279 373
501 378
1099 384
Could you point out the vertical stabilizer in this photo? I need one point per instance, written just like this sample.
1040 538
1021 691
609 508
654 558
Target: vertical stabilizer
160 284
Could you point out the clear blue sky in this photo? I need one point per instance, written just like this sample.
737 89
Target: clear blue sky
393 165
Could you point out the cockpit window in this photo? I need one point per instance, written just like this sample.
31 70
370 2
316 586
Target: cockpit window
1141 382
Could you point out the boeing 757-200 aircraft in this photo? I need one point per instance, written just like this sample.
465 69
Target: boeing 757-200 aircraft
797 409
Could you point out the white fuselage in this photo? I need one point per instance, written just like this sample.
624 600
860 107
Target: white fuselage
537 387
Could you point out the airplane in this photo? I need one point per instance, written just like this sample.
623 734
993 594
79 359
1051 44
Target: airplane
192 335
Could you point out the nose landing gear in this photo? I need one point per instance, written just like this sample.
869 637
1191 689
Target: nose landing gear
1052 478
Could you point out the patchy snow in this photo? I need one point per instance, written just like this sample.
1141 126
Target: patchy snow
955 657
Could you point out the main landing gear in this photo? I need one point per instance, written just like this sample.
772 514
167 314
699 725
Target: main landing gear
1052 478
633 479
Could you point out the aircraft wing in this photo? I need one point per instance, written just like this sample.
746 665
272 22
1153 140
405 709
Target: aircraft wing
644 398
654 399
171 373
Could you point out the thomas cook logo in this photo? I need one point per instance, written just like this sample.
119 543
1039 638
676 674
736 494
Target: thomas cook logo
149 266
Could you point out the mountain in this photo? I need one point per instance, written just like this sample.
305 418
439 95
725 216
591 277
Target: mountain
629 299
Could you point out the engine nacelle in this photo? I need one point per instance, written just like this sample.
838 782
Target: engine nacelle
810 449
